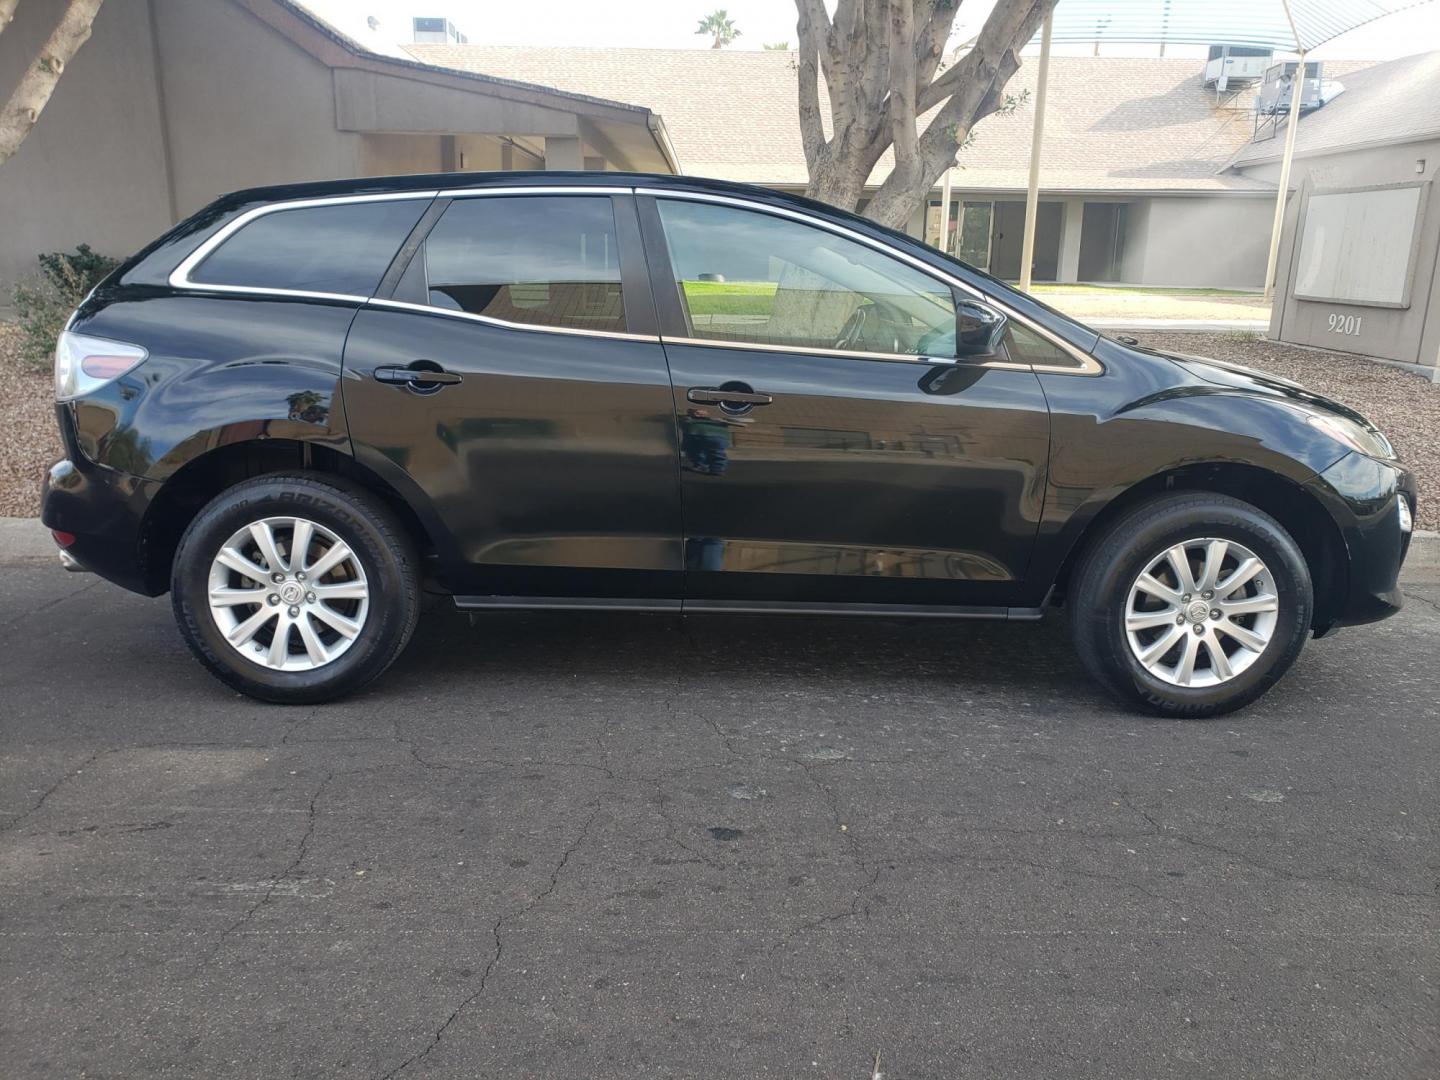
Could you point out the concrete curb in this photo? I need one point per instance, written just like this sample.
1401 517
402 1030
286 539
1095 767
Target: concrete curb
26 540
23 539
1422 564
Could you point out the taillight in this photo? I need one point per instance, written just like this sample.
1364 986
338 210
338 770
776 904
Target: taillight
83 364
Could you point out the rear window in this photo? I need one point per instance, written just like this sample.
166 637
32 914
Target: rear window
343 248
539 260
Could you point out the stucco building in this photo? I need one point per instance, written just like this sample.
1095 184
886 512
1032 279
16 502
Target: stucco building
174 102
1134 183
1359 263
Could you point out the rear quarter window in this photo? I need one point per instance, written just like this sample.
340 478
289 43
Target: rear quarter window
344 248
542 260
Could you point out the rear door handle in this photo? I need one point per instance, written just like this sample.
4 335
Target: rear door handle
709 395
414 376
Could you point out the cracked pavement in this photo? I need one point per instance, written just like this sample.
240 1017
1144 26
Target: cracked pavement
600 845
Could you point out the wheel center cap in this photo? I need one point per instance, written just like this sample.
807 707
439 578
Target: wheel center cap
1198 611
292 592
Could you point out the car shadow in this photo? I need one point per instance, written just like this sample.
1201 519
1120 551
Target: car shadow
1034 657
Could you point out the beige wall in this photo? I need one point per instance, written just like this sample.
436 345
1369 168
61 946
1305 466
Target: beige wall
1410 335
257 111
393 155
1198 242
92 171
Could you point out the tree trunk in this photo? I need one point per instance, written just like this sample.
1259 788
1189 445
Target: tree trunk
38 83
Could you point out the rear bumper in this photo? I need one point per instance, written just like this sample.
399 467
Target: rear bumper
104 510
1363 497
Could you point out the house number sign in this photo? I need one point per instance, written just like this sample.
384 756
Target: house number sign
1344 324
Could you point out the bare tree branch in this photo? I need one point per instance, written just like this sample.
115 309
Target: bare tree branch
33 91
813 27
880 60
902 84
7 13
930 41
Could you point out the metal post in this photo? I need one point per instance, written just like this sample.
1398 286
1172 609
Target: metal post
945 212
1032 194
1297 91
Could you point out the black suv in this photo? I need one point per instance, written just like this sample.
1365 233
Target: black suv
646 393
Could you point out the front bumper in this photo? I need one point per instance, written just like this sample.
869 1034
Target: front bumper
1363 497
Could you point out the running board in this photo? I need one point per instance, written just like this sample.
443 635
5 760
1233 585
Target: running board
745 607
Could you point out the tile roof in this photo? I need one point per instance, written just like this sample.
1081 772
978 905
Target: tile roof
1112 124
1394 102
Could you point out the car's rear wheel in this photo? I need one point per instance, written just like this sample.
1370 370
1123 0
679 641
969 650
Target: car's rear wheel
1193 604
296 589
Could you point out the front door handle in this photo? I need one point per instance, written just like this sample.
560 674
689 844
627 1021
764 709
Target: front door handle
424 377
710 395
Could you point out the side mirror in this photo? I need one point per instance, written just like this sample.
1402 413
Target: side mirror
979 331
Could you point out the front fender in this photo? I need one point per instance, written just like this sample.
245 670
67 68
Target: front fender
1100 452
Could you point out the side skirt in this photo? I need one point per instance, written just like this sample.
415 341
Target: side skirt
745 607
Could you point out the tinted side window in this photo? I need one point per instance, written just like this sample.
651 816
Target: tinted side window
1025 346
545 260
343 248
748 276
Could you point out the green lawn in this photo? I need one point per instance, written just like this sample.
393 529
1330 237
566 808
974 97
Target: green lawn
730 297
756 300
1052 287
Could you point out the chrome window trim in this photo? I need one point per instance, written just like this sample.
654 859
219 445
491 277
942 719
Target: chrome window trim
1089 366
533 189
505 324
180 276
844 354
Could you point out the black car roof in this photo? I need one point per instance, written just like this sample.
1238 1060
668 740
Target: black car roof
453 181
450 181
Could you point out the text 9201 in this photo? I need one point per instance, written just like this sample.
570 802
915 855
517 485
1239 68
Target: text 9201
1343 324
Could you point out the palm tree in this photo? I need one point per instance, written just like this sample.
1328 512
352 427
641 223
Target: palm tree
719 25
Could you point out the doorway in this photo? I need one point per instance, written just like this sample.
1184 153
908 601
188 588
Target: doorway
1102 240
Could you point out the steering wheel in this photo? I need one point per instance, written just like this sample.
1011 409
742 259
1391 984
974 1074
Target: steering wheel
875 318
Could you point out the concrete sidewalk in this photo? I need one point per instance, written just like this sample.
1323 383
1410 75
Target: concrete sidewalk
1181 326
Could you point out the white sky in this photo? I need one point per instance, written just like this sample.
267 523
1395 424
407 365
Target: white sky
670 24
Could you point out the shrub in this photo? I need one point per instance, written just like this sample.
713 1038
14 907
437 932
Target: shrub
44 300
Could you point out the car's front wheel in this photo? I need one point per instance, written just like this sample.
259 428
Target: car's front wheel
295 589
1193 604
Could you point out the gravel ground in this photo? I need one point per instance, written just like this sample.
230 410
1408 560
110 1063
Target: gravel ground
28 439
1405 407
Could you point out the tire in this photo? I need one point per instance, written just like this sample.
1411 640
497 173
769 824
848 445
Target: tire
1259 625
343 626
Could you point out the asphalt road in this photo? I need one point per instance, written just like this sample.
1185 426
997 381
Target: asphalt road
622 846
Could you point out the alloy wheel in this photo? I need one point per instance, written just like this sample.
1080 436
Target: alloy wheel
288 594
1201 612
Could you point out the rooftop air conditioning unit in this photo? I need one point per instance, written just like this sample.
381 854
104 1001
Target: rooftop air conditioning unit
1236 63
1274 96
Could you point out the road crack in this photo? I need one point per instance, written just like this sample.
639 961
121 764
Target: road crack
56 786
274 882
499 950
